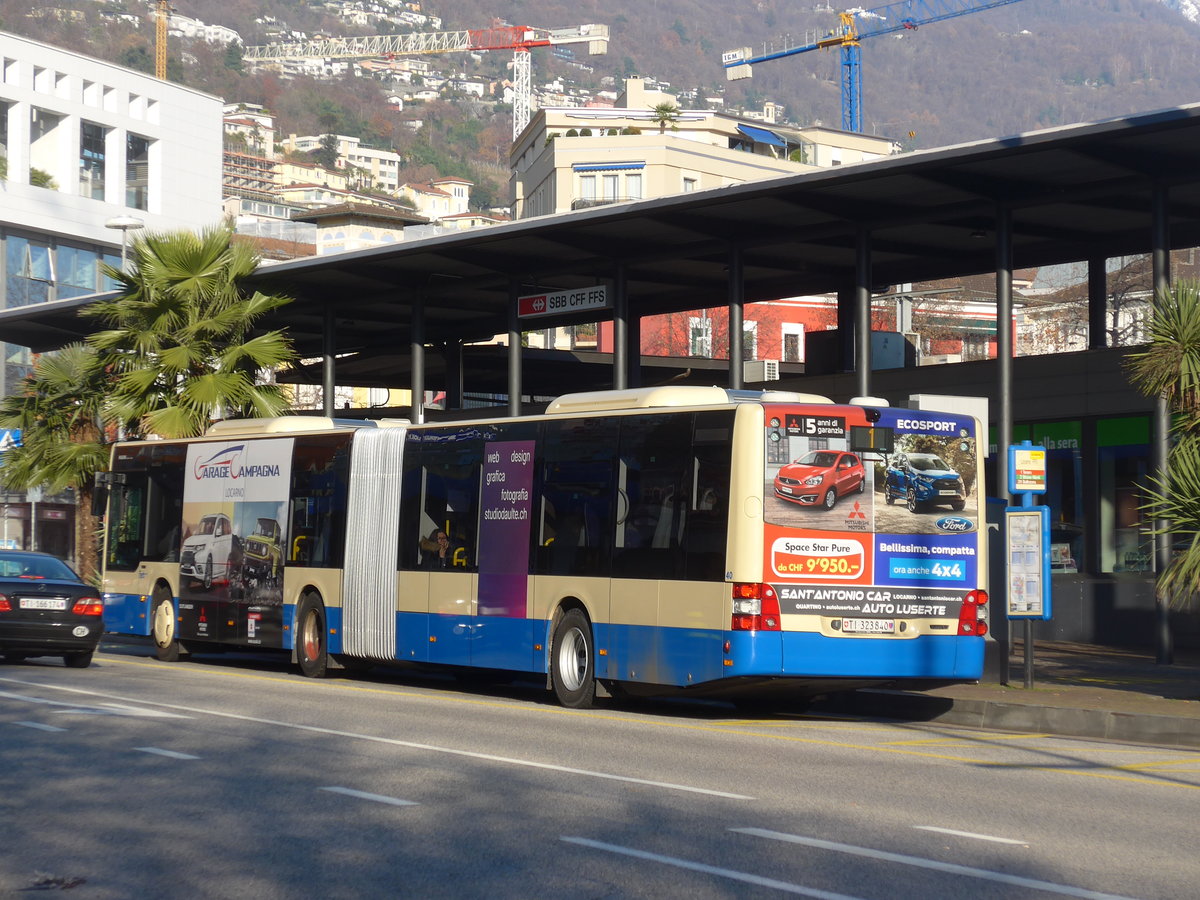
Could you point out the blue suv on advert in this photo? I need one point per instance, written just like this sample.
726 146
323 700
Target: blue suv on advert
922 480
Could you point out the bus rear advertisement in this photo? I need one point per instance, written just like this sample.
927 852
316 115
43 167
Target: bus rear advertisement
649 540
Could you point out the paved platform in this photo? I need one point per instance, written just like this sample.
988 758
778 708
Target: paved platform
1079 690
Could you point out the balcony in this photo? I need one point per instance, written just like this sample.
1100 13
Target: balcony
589 202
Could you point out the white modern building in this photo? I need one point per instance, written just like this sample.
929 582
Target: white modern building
90 153
86 147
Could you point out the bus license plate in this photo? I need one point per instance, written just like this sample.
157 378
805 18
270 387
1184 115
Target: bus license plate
43 603
869 626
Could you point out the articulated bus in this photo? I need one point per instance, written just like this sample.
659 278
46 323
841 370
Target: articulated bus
656 540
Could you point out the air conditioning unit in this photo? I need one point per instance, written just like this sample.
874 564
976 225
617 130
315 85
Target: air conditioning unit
757 370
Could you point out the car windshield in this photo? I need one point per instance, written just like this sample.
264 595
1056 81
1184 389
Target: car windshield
207 525
927 463
34 566
821 458
266 528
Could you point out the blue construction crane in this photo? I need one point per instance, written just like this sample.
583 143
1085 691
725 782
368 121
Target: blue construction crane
856 25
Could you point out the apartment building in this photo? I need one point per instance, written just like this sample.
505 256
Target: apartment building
572 157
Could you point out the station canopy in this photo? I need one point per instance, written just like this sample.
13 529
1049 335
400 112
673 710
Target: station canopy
1080 192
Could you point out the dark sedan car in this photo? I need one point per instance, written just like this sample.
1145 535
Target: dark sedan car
45 610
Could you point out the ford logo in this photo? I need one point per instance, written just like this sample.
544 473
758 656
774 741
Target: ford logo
953 523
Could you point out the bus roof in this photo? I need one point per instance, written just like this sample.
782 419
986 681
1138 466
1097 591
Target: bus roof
677 395
289 424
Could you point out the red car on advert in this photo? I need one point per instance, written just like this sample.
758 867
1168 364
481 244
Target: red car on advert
820 478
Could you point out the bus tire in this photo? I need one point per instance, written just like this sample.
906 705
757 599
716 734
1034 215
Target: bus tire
572 661
162 628
312 651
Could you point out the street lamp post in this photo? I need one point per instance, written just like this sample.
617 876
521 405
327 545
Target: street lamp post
125 224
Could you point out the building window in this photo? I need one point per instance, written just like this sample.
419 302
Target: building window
1123 454
793 342
633 186
137 172
30 272
610 188
43 148
689 185
587 188
750 340
700 336
77 269
91 160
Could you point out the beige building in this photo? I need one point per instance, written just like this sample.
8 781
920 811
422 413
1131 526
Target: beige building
444 197
574 158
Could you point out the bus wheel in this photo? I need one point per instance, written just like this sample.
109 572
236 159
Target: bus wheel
311 651
162 628
572 661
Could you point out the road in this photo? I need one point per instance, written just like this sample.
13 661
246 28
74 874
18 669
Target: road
235 777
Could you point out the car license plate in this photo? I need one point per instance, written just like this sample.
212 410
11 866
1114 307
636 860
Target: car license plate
869 626
786 490
43 603
948 493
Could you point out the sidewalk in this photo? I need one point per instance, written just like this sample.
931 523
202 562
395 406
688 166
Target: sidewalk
1079 690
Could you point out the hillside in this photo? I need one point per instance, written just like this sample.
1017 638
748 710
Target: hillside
1029 65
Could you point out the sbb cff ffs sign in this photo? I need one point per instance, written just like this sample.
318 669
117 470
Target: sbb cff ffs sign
580 300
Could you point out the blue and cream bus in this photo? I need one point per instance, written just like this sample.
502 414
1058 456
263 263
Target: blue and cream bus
671 538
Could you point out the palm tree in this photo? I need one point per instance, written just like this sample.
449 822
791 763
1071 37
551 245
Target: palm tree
181 337
1169 366
665 114
60 414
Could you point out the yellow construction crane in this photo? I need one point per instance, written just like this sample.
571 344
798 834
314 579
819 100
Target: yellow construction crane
162 13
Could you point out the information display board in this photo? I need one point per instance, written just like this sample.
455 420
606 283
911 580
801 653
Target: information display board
1027 530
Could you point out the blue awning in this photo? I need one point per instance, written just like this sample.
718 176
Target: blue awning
762 136
607 167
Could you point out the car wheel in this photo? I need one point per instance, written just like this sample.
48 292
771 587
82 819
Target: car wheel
888 497
78 660
914 505
162 628
862 486
208 574
312 652
572 666
829 501
957 505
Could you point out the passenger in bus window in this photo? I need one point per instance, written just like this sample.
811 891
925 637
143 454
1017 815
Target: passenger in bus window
442 553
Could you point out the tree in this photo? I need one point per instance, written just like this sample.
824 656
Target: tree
60 413
181 338
327 153
1169 366
665 114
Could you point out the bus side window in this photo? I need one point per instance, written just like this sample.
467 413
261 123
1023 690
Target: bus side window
320 484
652 490
707 527
441 492
577 497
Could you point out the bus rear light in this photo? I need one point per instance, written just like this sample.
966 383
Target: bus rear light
88 606
755 607
969 622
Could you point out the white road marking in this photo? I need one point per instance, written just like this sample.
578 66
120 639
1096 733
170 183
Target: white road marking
952 868
363 795
172 754
757 880
105 709
39 726
971 834
431 748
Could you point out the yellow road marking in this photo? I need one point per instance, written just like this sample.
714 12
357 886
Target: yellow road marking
685 726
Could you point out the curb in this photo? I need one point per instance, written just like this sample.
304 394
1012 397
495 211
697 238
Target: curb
1100 724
